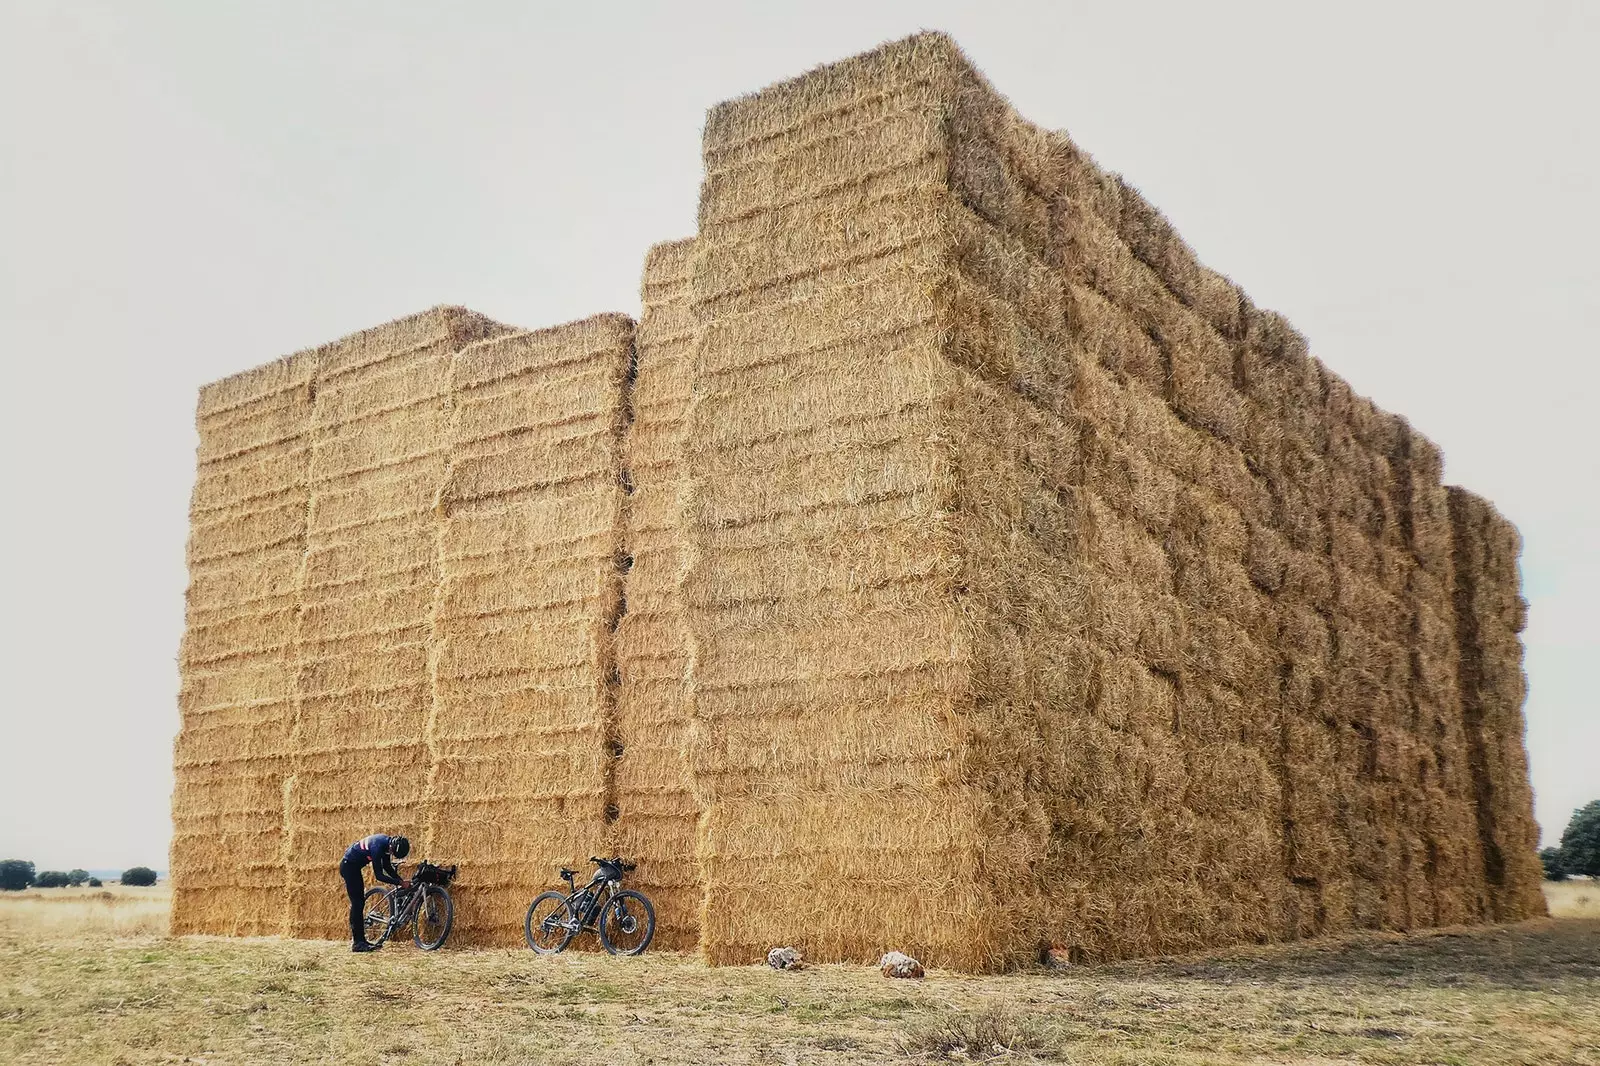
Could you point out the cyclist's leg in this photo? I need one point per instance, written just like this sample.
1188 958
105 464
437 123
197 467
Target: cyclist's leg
355 888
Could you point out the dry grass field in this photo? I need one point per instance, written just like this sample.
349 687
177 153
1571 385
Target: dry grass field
89 977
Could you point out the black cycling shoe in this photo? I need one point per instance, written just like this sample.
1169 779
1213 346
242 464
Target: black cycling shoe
364 947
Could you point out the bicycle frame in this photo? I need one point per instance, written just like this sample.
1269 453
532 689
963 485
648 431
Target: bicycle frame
600 892
401 916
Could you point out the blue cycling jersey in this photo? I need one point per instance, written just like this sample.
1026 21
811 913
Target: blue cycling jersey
373 849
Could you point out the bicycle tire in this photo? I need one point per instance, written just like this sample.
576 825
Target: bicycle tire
429 894
377 908
561 907
617 910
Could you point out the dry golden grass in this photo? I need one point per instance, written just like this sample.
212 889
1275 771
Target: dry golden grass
114 910
77 992
1573 899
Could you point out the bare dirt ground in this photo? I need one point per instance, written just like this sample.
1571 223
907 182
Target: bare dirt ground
89 977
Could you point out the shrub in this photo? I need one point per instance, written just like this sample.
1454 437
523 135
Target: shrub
77 877
15 874
95 882
139 875
50 879
1580 843
1554 869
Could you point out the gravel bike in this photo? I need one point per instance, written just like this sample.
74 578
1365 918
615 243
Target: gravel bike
424 905
625 919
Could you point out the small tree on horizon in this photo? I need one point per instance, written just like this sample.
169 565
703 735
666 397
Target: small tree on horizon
77 877
139 876
95 882
1580 842
50 879
15 874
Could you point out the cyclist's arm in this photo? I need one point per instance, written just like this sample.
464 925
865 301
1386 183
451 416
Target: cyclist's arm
383 869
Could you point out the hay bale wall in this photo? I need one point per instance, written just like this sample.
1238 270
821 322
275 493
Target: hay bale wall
1190 602
404 581
529 597
1490 613
950 563
237 697
826 657
379 448
656 807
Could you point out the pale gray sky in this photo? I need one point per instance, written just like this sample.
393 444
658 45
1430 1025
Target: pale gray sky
187 190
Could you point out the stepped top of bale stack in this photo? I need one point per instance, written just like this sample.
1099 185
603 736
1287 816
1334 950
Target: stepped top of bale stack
442 323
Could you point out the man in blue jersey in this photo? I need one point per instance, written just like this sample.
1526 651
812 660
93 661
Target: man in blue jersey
380 850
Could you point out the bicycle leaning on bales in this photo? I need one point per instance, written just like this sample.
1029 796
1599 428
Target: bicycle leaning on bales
625 919
425 906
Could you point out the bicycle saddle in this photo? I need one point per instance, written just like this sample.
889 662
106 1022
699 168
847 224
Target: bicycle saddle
567 875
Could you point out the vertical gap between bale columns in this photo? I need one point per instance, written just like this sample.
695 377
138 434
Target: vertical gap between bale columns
296 729
1471 671
441 515
612 747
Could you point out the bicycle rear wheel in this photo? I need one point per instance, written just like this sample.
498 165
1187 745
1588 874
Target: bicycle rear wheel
378 908
435 913
550 924
628 923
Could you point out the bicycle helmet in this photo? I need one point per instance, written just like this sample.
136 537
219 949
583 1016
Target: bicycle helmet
400 846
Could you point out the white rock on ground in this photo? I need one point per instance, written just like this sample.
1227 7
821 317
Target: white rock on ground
785 959
897 964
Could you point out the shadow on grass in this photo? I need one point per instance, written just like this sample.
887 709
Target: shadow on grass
1529 956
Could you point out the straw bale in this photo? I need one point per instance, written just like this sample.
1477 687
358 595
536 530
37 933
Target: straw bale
1011 271
827 161
914 73
1111 338
990 185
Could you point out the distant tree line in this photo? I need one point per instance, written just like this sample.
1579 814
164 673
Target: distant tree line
18 874
1579 852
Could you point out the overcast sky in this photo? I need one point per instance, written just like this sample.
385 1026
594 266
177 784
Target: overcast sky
187 190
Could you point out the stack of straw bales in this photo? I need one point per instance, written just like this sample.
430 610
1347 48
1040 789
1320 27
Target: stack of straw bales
1116 603
1490 613
233 754
828 661
952 563
379 445
524 681
404 581
657 809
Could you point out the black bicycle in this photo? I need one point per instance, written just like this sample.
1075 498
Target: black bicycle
424 905
625 919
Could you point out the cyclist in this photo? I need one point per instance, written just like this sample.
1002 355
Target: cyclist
380 850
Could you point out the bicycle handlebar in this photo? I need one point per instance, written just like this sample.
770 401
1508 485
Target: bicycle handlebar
616 861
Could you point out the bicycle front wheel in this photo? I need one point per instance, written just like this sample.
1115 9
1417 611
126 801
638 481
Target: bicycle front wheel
435 913
378 909
550 924
627 923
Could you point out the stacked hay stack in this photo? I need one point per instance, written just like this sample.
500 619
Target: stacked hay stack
232 756
1117 601
1490 612
379 445
406 573
654 794
952 563
827 660
524 685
